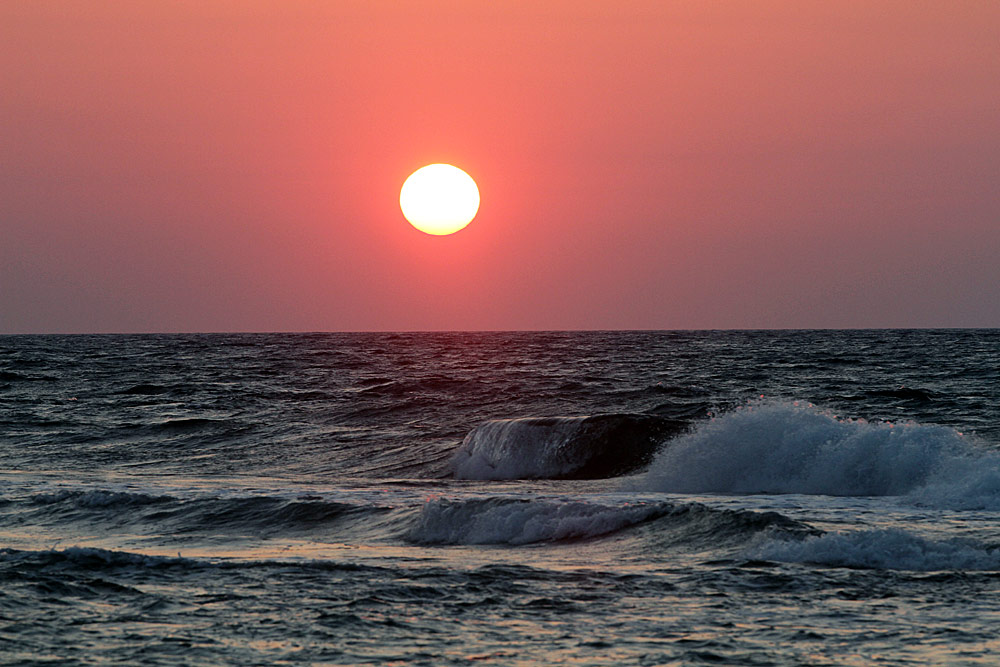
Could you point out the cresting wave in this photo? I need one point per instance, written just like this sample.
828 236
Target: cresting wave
780 447
516 521
522 521
98 498
562 447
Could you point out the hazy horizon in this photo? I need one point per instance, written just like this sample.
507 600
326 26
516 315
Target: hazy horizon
474 331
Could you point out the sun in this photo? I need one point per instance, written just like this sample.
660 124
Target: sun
439 199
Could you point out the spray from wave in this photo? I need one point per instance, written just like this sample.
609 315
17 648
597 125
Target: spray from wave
793 447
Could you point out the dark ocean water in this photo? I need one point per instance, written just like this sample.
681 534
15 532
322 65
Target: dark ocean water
593 498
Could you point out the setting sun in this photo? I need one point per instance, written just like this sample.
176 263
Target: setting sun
439 199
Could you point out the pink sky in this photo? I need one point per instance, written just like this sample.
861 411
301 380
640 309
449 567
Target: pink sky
235 166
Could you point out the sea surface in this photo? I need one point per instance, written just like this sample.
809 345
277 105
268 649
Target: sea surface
577 498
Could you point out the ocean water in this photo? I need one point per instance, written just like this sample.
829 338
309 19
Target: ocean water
592 498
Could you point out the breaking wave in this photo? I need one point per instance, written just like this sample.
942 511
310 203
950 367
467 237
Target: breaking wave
769 447
561 447
522 521
515 521
891 549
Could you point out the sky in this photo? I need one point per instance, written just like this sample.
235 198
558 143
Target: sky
217 165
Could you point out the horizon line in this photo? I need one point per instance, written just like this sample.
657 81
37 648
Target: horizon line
306 332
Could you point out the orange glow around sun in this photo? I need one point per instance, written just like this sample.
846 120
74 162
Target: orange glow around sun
439 199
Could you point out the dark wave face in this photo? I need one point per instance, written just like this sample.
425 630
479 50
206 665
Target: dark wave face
591 447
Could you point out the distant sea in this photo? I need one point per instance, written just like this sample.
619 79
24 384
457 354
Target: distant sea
579 498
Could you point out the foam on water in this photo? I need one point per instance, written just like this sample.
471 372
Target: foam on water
891 548
793 447
967 483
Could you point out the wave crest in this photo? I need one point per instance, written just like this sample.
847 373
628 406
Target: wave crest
518 521
561 447
769 447
99 498
521 521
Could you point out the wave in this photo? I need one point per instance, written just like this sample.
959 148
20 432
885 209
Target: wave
91 558
522 521
892 549
99 498
154 513
493 520
561 447
516 521
267 516
698 525
778 447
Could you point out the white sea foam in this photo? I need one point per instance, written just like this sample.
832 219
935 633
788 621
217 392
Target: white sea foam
892 548
511 521
772 447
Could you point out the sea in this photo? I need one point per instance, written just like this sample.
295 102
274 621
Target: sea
486 498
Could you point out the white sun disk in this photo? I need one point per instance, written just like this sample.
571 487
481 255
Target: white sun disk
439 199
